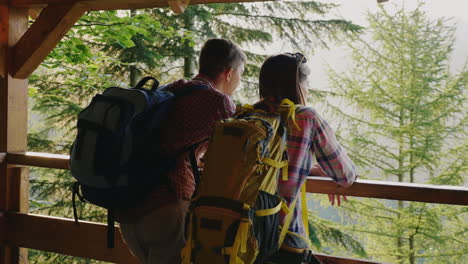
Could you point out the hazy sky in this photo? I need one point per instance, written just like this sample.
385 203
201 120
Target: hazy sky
355 10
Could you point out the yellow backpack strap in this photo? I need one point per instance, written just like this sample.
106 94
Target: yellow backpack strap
240 241
279 165
228 251
292 111
270 211
287 221
186 252
305 212
248 107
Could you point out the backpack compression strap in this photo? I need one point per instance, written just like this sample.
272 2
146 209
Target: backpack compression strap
287 222
305 213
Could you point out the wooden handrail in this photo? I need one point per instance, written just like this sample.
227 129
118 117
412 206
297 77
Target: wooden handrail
36 159
64 236
444 194
457 195
86 240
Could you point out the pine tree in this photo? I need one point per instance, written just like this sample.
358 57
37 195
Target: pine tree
404 113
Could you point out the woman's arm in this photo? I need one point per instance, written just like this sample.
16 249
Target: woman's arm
331 157
332 160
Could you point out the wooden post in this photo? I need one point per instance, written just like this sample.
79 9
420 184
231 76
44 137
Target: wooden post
14 181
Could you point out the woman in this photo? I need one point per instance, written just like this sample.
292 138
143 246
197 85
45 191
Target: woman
285 76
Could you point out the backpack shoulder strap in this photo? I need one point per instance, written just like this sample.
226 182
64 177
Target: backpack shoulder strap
191 87
143 81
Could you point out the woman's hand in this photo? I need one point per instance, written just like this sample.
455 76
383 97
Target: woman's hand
317 171
336 198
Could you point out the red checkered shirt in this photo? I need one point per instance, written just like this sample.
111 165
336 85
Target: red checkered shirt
191 121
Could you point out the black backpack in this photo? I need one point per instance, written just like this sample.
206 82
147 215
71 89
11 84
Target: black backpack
116 157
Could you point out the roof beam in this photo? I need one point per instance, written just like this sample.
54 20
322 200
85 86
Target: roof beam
43 35
139 4
117 4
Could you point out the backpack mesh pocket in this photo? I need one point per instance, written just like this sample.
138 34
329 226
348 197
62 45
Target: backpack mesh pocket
266 227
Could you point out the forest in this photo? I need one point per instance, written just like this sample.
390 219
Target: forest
398 109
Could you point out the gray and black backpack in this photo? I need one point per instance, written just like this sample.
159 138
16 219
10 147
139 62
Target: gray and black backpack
116 157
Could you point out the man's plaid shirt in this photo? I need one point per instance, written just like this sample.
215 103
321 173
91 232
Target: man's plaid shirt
191 121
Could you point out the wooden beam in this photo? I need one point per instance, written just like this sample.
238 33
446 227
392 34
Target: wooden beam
86 240
43 35
139 4
118 4
39 3
14 188
64 236
328 259
444 194
457 195
14 182
34 12
35 159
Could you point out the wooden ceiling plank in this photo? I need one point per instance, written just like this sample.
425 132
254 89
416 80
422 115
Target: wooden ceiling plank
38 3
118 4
140 4
43 35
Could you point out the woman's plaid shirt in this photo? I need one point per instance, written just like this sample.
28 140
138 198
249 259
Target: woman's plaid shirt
315 139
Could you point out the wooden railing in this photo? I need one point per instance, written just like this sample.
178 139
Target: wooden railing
88 239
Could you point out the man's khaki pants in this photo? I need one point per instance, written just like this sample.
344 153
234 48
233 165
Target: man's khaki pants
158 237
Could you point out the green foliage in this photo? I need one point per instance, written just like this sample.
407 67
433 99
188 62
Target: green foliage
116 48
324 231
405 120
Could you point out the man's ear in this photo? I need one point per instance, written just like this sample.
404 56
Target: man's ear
229 73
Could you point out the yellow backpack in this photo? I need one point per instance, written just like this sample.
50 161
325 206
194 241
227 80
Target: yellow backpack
234 218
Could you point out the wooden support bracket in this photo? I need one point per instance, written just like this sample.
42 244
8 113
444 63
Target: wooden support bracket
178 6
34 12
43 35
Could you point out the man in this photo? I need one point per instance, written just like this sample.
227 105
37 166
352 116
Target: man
154 232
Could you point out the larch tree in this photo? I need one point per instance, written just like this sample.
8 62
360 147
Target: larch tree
403 113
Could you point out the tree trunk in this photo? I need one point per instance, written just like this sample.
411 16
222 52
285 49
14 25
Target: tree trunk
411 248
401 162
134 73
189 58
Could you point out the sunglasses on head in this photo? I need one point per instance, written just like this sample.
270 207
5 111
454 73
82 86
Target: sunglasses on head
299 57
